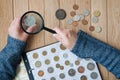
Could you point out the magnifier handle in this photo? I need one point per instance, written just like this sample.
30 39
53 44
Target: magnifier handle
49 30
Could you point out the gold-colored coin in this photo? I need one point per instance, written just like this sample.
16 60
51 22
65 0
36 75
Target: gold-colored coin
47 61
35 55
56 58
77 62
38 64
62 47
67 62
44 53
57 65
40 73
97 13
53 50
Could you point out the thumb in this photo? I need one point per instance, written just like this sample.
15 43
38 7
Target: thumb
58 37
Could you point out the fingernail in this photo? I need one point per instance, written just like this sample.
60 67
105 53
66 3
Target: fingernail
54 34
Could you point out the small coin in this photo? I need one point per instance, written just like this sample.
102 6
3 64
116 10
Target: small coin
47 61
57 65
60 14
65 55
98 29
91 28
69 21
72 13
56 58
84 22
76 18
62 75
86 12
61 67
81 69
75 7
95 19
94 75
40 73
67 62
44 53
91 66
96 13
53 50
52 78
35 55
72 72
38 64
82 17
29 20
62 47
75 23
50 69
83 77
77 62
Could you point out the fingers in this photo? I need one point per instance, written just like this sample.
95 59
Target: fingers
31 29
59 31
58 37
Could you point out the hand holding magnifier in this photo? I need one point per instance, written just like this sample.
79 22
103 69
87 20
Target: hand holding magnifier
34 21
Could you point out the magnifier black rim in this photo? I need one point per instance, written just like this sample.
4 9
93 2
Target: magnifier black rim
35 13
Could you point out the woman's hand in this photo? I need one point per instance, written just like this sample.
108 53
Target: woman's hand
66 36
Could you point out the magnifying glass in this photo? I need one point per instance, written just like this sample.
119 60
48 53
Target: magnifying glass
34 21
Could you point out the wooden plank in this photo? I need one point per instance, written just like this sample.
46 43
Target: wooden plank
113 26
101 6
6 17
37 40
50 19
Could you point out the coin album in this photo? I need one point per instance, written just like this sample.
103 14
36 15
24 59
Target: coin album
55 62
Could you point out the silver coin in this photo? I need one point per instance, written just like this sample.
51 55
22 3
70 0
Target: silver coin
76 18
52 78
94 75
62 75
82 17
38 64
86 12
69 21
91 66
98 29
95 19
72 72
50 69
65 55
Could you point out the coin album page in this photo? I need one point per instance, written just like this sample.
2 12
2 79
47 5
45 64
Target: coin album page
55 62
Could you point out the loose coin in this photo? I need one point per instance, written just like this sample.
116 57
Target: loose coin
91 28
72 13
76 18
56 58
94 75
62 75
82 17
84 22
98 29
72 72
35 55
75 23
81 69
38 64
50 69
83 77
40 73
97 13
60 14
75 7
95 19
62 47
86 12
69 21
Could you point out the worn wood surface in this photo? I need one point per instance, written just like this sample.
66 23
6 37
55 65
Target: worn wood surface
109 21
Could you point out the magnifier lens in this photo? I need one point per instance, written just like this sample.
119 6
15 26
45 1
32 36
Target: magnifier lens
32 23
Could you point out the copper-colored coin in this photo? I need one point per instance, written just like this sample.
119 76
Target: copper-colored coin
81 69
75 23
62 47
61 67
44 53
84 22
40 73
91 28
72 13
35 55
53 50
75 7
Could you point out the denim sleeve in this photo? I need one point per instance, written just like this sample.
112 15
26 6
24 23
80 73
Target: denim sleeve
89 47
10 57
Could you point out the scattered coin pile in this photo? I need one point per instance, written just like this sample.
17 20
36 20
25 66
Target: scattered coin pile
55 62
78 17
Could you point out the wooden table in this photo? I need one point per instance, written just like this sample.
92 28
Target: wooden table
109 21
